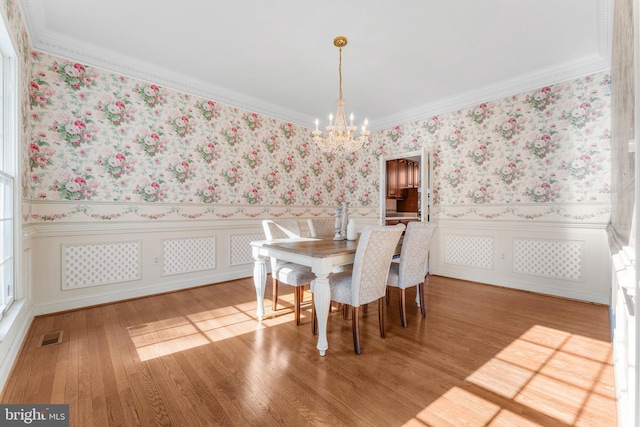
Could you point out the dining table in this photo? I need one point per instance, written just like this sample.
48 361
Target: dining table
323 255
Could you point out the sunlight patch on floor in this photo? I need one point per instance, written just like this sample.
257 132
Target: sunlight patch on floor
168 336
546 375
458 404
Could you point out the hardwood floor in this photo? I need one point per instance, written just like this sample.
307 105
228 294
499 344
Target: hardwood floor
483 356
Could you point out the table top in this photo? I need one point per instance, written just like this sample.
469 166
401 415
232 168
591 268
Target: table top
317 248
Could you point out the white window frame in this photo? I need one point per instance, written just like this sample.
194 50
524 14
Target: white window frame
9 176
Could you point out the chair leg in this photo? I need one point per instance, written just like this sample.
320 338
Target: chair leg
423 309
297 298
355 325
365 308
403 309
275 294
387 295
345 311
381 316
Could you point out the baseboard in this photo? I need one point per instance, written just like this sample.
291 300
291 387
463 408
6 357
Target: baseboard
529 287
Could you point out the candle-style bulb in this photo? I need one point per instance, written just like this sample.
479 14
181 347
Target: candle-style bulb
331 119
317 123
351 118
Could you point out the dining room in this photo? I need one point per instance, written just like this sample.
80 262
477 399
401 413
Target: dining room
141 164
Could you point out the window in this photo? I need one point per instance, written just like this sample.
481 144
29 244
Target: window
8 171
6 243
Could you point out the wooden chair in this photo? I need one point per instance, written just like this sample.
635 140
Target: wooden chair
411 270
368 279
288 273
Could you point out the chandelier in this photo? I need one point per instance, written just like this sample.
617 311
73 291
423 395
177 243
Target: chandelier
339 136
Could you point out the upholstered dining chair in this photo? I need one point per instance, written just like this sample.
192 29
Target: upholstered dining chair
322 227
325 228
412 268
288 273
367 281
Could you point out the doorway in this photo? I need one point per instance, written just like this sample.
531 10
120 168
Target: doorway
405 187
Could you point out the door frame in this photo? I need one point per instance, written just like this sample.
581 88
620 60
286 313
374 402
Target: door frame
425 181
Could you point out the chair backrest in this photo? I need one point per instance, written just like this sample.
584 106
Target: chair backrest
415 253
322 227
372 261
280 229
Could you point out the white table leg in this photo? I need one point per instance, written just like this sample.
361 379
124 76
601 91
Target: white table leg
260 280
322 299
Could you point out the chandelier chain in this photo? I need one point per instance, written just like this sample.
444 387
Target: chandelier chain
340 72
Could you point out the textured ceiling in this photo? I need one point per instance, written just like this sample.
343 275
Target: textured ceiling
405 59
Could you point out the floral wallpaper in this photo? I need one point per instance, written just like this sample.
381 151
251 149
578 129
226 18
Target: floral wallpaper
102 146
546 151
101 137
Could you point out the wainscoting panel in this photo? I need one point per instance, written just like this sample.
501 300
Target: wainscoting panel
240 248
548 258
100 264
471 251
567 260
188 255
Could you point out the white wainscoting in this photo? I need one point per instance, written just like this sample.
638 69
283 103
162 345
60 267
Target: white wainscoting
82 264
79 265
565 260
561 259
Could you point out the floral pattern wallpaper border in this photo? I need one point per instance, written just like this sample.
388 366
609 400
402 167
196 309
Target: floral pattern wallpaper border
105 147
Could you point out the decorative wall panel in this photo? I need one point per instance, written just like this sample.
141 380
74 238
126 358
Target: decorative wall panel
241 249
100 264
472 251
188 255
548 258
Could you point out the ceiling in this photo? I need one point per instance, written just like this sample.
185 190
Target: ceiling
405 60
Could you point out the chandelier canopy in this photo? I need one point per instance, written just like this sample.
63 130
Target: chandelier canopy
339 136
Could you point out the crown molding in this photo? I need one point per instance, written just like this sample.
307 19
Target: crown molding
61 46
544 77
56 44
